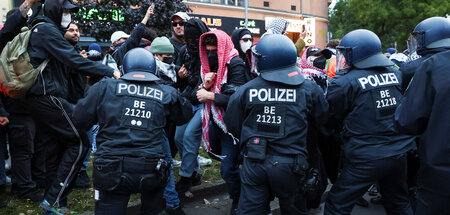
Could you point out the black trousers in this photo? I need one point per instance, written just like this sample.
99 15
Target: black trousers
21 129
429 203
149 185
356 178
66 146
273 177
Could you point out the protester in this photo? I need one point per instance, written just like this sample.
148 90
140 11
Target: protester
129 155
163 51
21 128
47 99
276 26
243 40
424 111
313 65
178 20
222 72
188 136
121 42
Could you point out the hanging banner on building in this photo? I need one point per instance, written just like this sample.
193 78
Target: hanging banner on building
228 24
307 26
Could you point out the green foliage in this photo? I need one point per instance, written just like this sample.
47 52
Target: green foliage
391 20
101 18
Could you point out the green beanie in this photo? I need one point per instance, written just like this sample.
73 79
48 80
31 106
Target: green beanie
161 45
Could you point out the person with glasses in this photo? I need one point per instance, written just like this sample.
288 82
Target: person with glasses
178 20
243 40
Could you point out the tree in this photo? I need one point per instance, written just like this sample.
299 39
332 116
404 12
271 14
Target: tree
391 20
101 18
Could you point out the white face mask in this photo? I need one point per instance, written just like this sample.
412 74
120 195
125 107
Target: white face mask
245 46
66 19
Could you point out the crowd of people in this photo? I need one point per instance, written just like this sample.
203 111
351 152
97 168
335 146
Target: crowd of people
282 118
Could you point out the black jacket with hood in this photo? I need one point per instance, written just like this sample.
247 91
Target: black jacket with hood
235 37
47 42
191 61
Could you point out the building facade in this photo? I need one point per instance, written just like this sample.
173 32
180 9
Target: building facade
309 16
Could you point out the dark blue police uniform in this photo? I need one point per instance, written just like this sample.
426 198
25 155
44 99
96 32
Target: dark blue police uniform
362 103
132 113
425 111
271 114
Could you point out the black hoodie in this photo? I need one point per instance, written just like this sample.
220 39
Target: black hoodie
191 60
235 37
47 42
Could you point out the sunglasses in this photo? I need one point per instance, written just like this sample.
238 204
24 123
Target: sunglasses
174 24
247 39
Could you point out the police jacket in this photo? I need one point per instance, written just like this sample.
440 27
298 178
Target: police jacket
131 115
280 113
425 111
362 105
408 69
47 42
132 42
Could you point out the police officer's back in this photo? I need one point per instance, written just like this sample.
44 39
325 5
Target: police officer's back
362 100
270 115
425 111
132 113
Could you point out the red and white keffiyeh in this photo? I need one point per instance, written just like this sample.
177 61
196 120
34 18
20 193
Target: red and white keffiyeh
308 70
225 52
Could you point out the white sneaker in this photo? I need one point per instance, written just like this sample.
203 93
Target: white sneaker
203 161
176 163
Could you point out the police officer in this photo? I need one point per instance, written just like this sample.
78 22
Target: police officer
363 98
131 112
425 111
270 115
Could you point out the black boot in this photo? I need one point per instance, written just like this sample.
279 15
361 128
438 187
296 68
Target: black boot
233 210
174 211
196 179
82 180
362 202
183 185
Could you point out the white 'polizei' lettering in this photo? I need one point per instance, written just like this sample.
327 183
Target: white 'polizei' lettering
143 91
273 95
378 80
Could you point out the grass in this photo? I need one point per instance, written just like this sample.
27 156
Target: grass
82 200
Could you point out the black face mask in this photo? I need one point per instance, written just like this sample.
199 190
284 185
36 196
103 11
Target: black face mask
320 62
213 61
192 46
168 60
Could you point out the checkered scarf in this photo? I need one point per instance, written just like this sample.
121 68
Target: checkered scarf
277 26
309 71
225 52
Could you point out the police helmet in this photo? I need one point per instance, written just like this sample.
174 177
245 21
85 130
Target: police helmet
139 65
276 58
362 49
431 33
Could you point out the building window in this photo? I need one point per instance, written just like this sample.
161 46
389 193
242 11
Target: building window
266 4
293 7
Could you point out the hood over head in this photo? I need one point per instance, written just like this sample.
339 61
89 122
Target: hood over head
237 35
194 28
